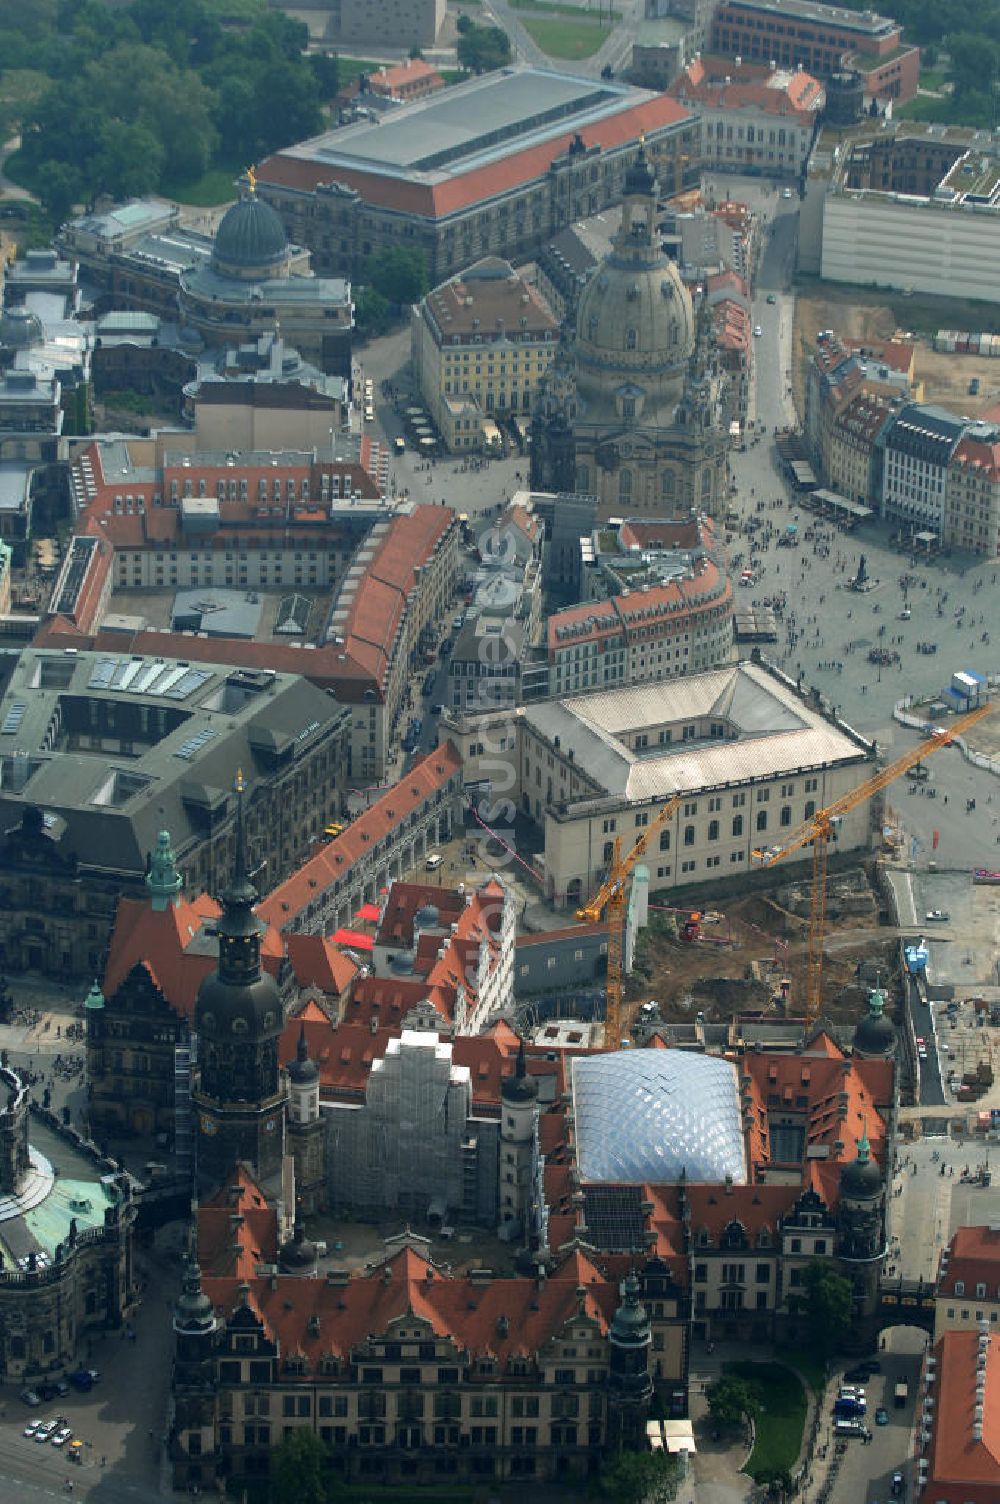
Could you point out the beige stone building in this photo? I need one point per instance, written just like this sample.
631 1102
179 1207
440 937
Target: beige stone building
632 411
972 515
968 1288
481 345
754 757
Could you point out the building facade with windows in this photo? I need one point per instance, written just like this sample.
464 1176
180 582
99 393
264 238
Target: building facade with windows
972 517
103 749
754 755
916 446
806 34
485 337
492 166
754 117
968 1287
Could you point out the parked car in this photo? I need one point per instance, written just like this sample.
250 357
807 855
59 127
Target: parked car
937 916
786 193
771 298
46 1429
30 1398
758 331
31 1427
433 862
881 1416
61 1437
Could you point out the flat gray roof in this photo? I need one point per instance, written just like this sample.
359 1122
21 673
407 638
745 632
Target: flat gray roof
201 722
482 117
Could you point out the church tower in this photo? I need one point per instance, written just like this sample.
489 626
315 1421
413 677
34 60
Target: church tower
305 1129
518 1148
630 1386
861 1227
195 1339
239 1101
163 880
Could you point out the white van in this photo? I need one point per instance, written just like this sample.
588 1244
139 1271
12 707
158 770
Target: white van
433 862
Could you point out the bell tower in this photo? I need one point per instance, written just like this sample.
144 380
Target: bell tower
240 1098
630 1387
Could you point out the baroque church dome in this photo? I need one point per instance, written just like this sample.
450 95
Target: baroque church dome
635 318
250 237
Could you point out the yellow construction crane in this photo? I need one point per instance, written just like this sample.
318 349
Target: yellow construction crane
821 826
611 898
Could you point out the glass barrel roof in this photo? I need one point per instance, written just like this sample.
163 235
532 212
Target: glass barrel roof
648 1115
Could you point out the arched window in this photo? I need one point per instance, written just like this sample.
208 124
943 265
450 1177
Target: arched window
625 486
631 339
667 483
786 814
713 830
737 825
762 819
689 835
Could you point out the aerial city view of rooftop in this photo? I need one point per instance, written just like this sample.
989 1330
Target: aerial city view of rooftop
499 752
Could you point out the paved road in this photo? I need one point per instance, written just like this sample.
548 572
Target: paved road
865 1474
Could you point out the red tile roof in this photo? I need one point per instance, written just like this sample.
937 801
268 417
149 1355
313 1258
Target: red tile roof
674 604
164 942
237 1229
965 1468
973 1257
334 859
724 83
502 1318
318 962
479 183
406 75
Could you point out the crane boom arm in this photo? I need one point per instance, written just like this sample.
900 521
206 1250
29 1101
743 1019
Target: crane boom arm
823 818
621 866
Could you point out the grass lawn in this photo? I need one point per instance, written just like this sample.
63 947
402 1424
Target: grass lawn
349 68
216 186
809 1366
554 8
452 75
782 1416
564 38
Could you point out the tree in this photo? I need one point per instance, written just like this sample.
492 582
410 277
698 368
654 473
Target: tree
730 1399
463 24
298 1469
398 272
483 48
640 1478
58 189
827 1301
372 315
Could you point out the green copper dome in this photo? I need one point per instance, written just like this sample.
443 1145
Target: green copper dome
250 236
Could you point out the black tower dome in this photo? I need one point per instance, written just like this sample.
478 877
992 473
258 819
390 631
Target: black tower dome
520 1087
302 1071
239 1002
639 179
251 235
874 1034
861 1178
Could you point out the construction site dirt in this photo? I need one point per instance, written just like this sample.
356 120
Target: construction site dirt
749 958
